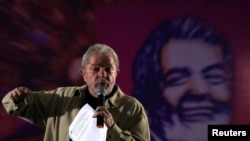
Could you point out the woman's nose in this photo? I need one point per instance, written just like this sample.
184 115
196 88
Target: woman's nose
199 85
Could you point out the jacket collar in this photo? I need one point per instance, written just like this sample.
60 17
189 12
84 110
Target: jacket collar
110 102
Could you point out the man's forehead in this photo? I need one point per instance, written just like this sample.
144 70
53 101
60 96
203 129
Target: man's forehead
103 59
98 62
100 65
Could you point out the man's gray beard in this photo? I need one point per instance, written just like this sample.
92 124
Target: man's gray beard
189 131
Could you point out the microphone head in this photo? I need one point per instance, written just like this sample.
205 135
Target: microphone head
100 90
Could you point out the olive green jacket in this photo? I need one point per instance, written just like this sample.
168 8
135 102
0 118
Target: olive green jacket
56 109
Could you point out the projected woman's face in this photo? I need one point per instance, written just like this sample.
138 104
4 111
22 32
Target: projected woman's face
196 82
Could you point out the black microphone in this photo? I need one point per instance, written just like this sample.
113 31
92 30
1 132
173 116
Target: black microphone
100 91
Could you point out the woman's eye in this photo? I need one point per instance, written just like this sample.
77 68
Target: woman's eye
215 77
176 79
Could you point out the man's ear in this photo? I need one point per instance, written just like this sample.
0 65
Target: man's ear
83 72
118 71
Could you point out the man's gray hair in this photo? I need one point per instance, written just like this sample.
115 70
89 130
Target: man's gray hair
100 49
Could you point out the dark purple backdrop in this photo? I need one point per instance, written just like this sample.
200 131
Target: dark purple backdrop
61 35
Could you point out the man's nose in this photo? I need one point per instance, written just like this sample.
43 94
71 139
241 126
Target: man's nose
102 72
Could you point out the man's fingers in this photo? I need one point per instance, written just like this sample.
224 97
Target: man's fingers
24 90
98 113
102 111
100 108
19 94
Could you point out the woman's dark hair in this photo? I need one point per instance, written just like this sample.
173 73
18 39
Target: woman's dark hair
147 69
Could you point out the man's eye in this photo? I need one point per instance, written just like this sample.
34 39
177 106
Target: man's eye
176 79
96 69
107 69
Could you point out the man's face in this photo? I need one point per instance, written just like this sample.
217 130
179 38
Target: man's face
196 82
100 70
